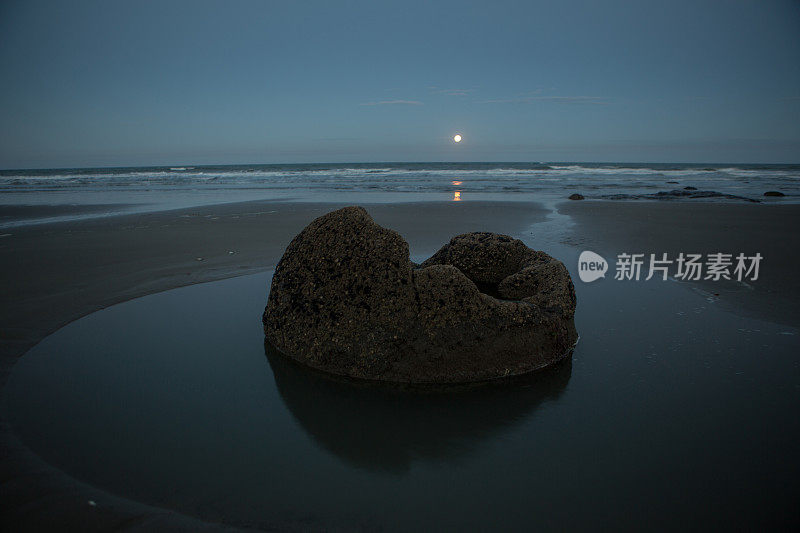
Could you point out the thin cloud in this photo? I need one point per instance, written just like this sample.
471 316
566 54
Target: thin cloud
592 100
394 102
451 92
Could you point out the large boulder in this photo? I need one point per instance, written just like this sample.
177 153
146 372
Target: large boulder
346 299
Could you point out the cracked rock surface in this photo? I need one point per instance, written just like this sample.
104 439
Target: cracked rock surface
346 299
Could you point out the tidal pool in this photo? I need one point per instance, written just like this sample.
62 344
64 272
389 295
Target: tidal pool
672 414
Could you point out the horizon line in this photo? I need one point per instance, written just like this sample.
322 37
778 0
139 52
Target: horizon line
197 165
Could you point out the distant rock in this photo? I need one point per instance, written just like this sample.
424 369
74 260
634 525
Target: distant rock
677 194
694 193
673 182
774 193
681 193
576 196
346 299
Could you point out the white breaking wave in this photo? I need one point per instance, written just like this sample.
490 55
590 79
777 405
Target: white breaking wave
552 180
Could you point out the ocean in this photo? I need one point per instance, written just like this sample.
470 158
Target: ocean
142 189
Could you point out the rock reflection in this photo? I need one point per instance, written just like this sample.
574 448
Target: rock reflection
387 429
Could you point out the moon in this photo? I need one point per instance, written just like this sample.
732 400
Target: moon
457 138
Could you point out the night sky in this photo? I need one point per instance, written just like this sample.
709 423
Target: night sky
111 83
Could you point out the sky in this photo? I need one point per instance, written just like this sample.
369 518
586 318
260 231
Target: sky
112 83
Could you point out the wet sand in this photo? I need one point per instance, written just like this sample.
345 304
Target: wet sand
14 213
56 273
610 228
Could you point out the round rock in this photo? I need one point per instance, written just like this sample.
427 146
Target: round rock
346 299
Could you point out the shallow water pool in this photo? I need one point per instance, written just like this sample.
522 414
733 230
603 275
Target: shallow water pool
672 413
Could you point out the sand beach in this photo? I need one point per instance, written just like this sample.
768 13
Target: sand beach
56 273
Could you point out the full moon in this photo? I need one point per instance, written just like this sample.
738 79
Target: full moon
457 138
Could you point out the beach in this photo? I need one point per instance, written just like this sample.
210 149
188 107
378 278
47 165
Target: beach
56 273
59 272
706 228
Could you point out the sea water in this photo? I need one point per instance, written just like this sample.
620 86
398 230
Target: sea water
157 188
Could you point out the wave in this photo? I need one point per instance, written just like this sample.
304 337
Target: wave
551 179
